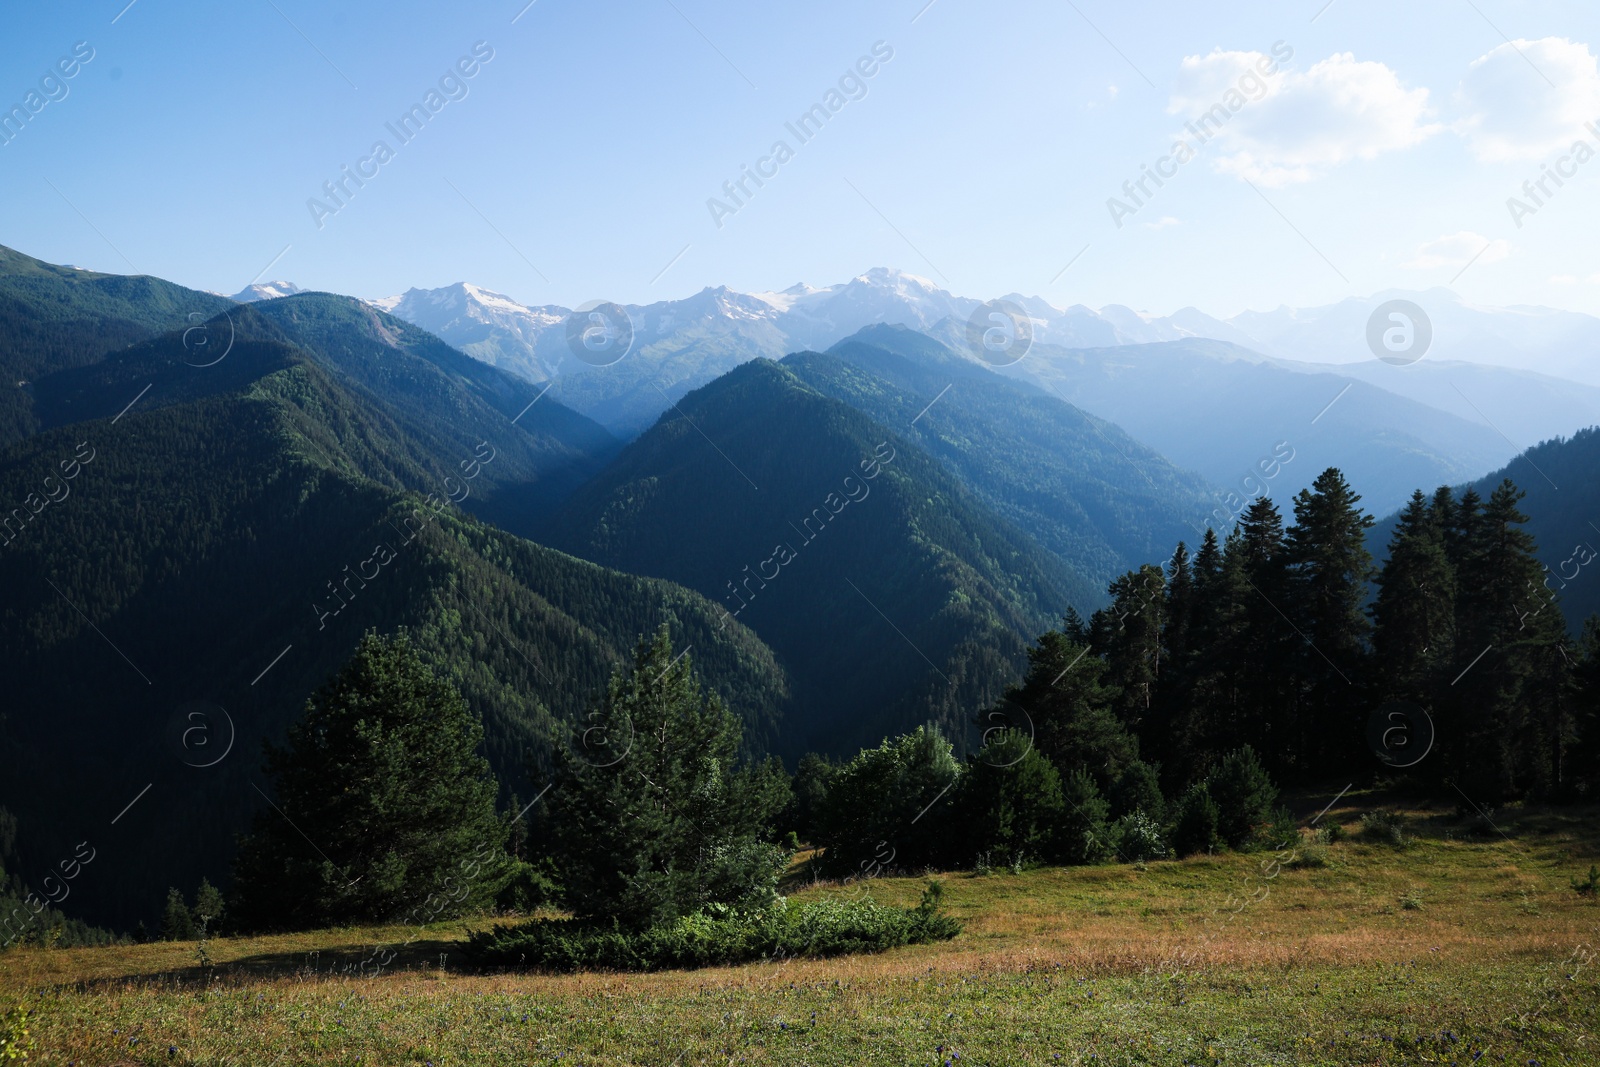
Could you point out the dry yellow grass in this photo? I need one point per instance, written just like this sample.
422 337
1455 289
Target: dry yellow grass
1374 958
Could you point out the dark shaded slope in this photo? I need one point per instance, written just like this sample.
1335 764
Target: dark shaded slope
889 592
230 549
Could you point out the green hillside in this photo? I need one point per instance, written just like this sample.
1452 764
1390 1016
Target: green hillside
885 587
227 539
53 317
1080 486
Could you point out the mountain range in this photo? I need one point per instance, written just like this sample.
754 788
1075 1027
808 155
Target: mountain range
1506 378
851 524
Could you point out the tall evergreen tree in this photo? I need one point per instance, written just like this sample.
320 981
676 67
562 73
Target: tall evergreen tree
1180 606
1414 614
1071 706
1128 635
1329 567
653 817
1510 718
384 810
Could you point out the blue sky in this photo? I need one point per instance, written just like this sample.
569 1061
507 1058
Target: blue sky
579 162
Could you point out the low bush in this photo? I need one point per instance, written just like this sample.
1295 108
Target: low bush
717 935
1139 837
1384 827
15 1040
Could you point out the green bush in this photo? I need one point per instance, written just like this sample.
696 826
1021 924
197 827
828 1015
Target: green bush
1384 827
887 808
1009 803
1139 837
717 935
1283 831
15 1042
1195 829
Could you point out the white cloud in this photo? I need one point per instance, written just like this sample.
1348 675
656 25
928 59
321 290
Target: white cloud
1162 223
1509 108
1292 126
1457 250
1563 279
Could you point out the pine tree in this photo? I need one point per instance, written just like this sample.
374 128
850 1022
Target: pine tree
655 818
208 906
1244 795
1329 567
1510 702
1414 615
1128 636
177 923
1195 827
1071 707
384 810
1010 805
1085 832
1138 788
1180 606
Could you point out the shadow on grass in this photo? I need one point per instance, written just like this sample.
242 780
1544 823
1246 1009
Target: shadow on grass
336 961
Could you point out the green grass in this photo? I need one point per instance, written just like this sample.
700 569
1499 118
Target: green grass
1109 965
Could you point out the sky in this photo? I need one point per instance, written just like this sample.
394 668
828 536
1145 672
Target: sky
1353 147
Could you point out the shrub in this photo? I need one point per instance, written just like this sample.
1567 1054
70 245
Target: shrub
876 814
1384 827
1139 837
1245 797
1312 854
1589 887
718 935
1281 832
1195 829
15 1041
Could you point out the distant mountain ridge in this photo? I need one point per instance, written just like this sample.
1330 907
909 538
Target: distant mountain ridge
1514 353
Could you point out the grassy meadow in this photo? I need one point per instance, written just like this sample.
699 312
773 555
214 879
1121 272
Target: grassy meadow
1466 945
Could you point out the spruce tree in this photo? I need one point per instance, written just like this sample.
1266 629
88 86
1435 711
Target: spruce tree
1329 567
177 922
1128 635
1510 706
655 817
1414 615
1010 806
1066 697
384 810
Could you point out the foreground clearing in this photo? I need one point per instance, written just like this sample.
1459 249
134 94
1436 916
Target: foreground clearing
1455 950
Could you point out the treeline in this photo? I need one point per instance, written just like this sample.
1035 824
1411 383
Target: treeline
1159 724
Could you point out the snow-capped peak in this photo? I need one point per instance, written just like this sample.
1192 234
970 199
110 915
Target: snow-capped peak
266 291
